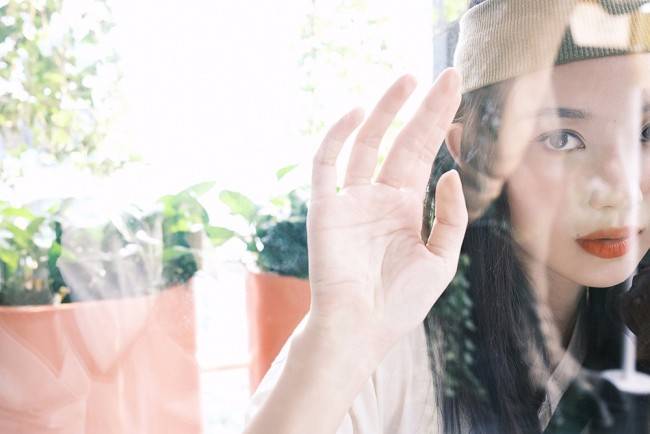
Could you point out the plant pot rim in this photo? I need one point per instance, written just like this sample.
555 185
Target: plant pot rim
271 273
89 303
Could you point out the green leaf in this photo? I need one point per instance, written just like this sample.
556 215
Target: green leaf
20 237
175 252
239 204
180 226
195 212
17 212
282 172
168 203
279 201
200 189
34 225
219 235
10 258
251 246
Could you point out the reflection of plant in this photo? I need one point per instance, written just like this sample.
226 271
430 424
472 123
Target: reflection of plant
452 9
53 74
30 245
276 236
135 253
455 310
185 220
284 241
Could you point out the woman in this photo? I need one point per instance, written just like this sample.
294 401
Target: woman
550 142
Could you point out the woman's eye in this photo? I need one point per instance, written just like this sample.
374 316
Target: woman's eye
645 134
562 140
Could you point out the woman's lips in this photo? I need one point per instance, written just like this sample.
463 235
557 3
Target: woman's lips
608 243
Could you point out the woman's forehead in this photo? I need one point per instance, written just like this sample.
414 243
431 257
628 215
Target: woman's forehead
598 84
628 71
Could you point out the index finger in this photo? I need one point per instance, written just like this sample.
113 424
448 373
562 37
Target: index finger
419 140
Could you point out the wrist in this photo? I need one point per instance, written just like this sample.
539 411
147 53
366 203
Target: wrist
323 374
337 358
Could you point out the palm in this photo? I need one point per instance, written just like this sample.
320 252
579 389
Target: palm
367 259
368 237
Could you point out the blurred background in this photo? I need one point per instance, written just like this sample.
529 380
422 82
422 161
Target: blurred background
151 145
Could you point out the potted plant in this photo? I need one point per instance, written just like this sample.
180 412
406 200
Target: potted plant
97 323
277 286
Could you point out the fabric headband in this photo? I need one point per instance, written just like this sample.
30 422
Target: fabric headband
501 39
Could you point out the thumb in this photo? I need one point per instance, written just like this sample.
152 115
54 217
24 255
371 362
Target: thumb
450 219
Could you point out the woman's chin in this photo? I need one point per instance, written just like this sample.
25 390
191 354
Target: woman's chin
606 278
607 272
604 285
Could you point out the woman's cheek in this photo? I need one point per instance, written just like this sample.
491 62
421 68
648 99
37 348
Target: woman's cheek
645 175
533 216
644 184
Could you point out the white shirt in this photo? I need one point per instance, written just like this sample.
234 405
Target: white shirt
399 397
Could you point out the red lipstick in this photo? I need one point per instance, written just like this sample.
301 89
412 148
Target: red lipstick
607 243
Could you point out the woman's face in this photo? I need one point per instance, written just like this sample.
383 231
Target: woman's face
580 194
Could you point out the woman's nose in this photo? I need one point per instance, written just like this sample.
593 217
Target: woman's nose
616 181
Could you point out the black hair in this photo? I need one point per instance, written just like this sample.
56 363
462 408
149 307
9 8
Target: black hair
473 3
505 311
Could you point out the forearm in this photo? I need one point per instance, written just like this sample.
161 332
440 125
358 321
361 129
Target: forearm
317 386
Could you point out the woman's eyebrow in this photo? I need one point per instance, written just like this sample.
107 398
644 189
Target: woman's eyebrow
572 113
562 112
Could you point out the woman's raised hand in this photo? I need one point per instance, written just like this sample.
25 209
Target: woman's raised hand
369 270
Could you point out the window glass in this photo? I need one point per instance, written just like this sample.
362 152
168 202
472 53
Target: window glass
195 237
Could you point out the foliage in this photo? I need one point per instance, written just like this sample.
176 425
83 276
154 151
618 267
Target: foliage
276 237
455 308
55 74
160 248
337 40
30 245
284 242
453 9
184 222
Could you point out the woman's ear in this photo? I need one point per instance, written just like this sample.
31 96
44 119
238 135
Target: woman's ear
453 140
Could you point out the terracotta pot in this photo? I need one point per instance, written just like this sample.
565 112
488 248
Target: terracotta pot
275 305
100 367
